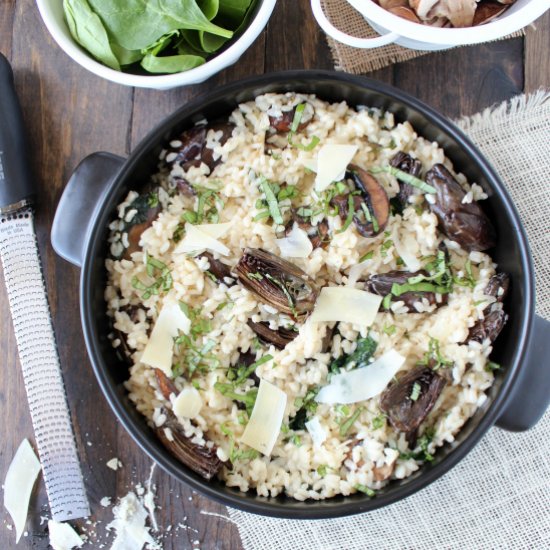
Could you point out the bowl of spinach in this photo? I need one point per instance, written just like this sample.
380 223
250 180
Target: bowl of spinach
158 44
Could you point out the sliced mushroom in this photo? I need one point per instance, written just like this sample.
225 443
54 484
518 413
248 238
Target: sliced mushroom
382 285
143 219
407 410
166 386
184 187
404 162
217 268
201 459
279 338
488 327
465 223
459 12
371 207
318 234
194 150
277 282
405 13
498 286
487 11
283 123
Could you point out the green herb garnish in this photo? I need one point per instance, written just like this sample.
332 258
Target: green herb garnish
378 422
349 217
389 329
367 256
163 281
367 490
346 425
248 398
365 349
415 392
306 407
271 199
433 358
405 177
491 366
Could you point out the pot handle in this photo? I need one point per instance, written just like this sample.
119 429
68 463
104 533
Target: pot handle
75 212
531 394
347 39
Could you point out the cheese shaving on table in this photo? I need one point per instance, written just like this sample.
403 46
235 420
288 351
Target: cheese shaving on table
337 303
362 383
20 478
159 350
129 524
63 536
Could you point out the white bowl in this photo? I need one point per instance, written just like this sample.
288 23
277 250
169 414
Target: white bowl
52 14
394 29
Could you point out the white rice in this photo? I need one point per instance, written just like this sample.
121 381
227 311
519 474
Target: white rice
295 467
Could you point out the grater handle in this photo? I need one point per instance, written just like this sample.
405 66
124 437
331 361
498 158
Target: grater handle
16 184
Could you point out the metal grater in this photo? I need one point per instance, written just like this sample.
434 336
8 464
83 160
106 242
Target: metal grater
31 317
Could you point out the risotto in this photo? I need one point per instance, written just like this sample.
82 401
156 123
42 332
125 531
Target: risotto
303 297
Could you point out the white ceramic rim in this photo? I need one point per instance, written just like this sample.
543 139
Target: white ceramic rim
198 74
519 18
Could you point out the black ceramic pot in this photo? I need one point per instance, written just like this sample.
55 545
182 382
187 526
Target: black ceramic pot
521 390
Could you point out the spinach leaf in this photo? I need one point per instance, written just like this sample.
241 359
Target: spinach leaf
88 30
126 57
365 349
307 406
136 24
170 63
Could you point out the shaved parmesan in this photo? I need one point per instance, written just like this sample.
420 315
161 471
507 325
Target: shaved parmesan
363 383
196 240
412 263
215 230
356 271
264 425
22 474
338 303
129 523
316 431
296 244
160 348
63 536
332 161
310 164
188 403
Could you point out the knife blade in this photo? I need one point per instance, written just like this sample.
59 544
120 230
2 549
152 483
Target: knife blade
31 317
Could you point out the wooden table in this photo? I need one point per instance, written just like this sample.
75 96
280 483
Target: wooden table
70 113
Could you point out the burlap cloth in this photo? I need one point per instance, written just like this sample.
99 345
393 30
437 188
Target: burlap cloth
499 495
359 61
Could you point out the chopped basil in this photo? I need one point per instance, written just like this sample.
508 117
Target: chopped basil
386 245
386 302
309 147
468 280
271 199
415 392
241 373
349 217
235 453
256 276
346 425
367 256
405 177
433 358
365 349
306 407
282 286
491 366
163 281
153 200
304 212
299 111
367 490
296 440
423 442
248 398
378 422
322 470
389 329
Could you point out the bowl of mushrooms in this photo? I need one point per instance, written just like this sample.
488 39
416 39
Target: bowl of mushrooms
435 24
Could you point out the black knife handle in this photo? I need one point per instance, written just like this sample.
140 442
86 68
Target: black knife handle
16 184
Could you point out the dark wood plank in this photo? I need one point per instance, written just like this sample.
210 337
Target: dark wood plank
537 55
465 80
